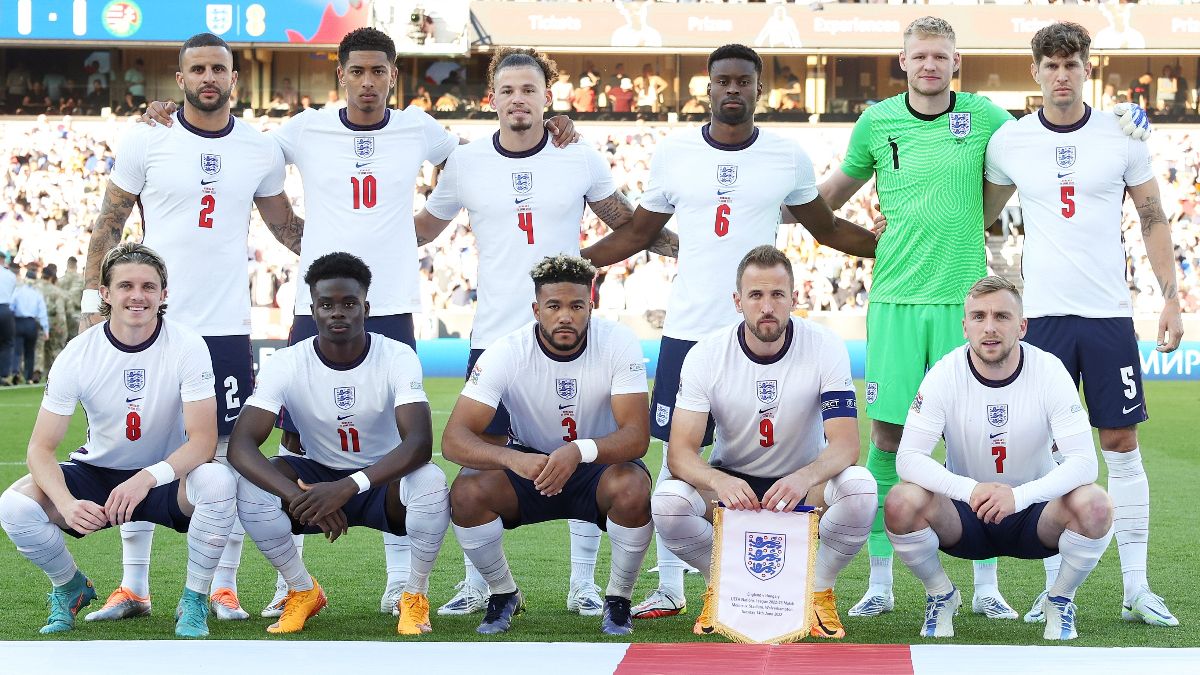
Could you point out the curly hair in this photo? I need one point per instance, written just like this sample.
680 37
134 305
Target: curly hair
1061 38
338 265
518 57
736 51
366 40
131 253
561 269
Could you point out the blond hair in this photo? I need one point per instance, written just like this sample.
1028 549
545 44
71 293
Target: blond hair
560 269
993 284
929 27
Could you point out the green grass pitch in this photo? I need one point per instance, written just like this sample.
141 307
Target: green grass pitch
352 569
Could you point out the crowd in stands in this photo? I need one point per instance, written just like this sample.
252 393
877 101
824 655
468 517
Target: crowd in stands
51 190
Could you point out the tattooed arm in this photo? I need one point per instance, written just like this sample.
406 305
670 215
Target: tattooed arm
616 212
1156 234
281 219
428 226
106 234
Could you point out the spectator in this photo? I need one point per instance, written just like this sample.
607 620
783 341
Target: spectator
693 106
1139 91
97 98
96 73
621 96
29 315
135 83
289 93
421 99
8 284
305 103
17 84
278 107
56 84
584 98
36 102
450 101
561 93
649 88
332 100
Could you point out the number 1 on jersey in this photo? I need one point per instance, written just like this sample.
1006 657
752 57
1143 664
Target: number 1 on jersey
525 224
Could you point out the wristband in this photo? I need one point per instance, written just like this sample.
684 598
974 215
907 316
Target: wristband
162 472
587 449
360 479
90 302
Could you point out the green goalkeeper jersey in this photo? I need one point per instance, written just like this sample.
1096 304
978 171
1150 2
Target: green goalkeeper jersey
929 174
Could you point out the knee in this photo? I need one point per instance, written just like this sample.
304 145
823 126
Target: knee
1092 510
627 490
420 485
211 482
17 508
675 498
903 506
466 495
1118 440
856 489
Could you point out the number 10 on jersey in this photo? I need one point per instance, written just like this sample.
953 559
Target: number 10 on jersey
365 191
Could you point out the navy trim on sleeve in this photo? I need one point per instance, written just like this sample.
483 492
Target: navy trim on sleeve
838 404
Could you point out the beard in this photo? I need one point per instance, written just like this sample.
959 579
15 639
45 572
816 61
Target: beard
767 333
524 125
553 341
193 97
998 360
734 118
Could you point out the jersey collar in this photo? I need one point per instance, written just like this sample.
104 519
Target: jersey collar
558 357
704 131
202 133
764 361
524 153
1065 128
929 118
997 384
343 366
387 116
133 349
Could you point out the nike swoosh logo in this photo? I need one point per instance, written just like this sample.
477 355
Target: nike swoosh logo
564 407
359 165
521 201
722 193
208 182
995 436
1126 411
230 418
1064 175
344 417
131 400
767 409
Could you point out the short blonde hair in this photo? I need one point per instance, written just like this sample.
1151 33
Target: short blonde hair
929 26
993 284
136 254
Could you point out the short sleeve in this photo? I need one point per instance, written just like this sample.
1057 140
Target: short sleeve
489 379
656 198
601 185
628 365
835 366
993 165
62 384
407 378
693 392
859 163
444 202
270 385
1067 416
439 142
196 381
272 182
129 171
1138 169
287 135
805 188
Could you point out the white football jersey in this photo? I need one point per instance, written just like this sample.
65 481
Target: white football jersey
998 431
358 186
133 396
346 414
553 400
768 412
523 207
1071 181
726 201
195 191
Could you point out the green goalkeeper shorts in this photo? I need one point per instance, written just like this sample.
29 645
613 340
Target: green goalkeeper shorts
904 341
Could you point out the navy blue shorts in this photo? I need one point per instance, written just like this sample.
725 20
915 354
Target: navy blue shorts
1014 537
233 376
398 327
758 484
1104 354
368 509
95 483
666 388
500 424
577 501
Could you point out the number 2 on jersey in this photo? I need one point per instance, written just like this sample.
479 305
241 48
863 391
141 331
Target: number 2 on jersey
208 204
365 191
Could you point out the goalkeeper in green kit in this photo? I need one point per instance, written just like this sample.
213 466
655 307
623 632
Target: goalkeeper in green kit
926 150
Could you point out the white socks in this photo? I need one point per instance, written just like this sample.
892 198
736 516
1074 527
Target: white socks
852 499
397 556
919 552
36 538
262 515
670 568
136 540
484 545
1130 494
473 576
585 546
426 500
1079 557
678 511
880 582
231 559
629 545
210 489
1051 564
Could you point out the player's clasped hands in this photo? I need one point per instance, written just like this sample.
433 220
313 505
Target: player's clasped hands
321 505
118 510
84 516
735 493
560 464
787 492
993 502
527 465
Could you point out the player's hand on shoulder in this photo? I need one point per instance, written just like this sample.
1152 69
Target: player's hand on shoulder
320 500
734 492
560 464
527 465
1133 120
84 516
993 502
562 131
158 112
125 497
787 492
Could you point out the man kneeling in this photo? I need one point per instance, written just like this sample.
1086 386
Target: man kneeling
780 393
1000 404
146 385
364 422
575 389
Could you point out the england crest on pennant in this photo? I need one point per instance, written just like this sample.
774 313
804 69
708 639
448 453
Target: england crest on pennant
566 387
522 182
960 124
997 415
210 163
364 146
219 18
765 554
768 390
135 379
343 397
1064 155
726 174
